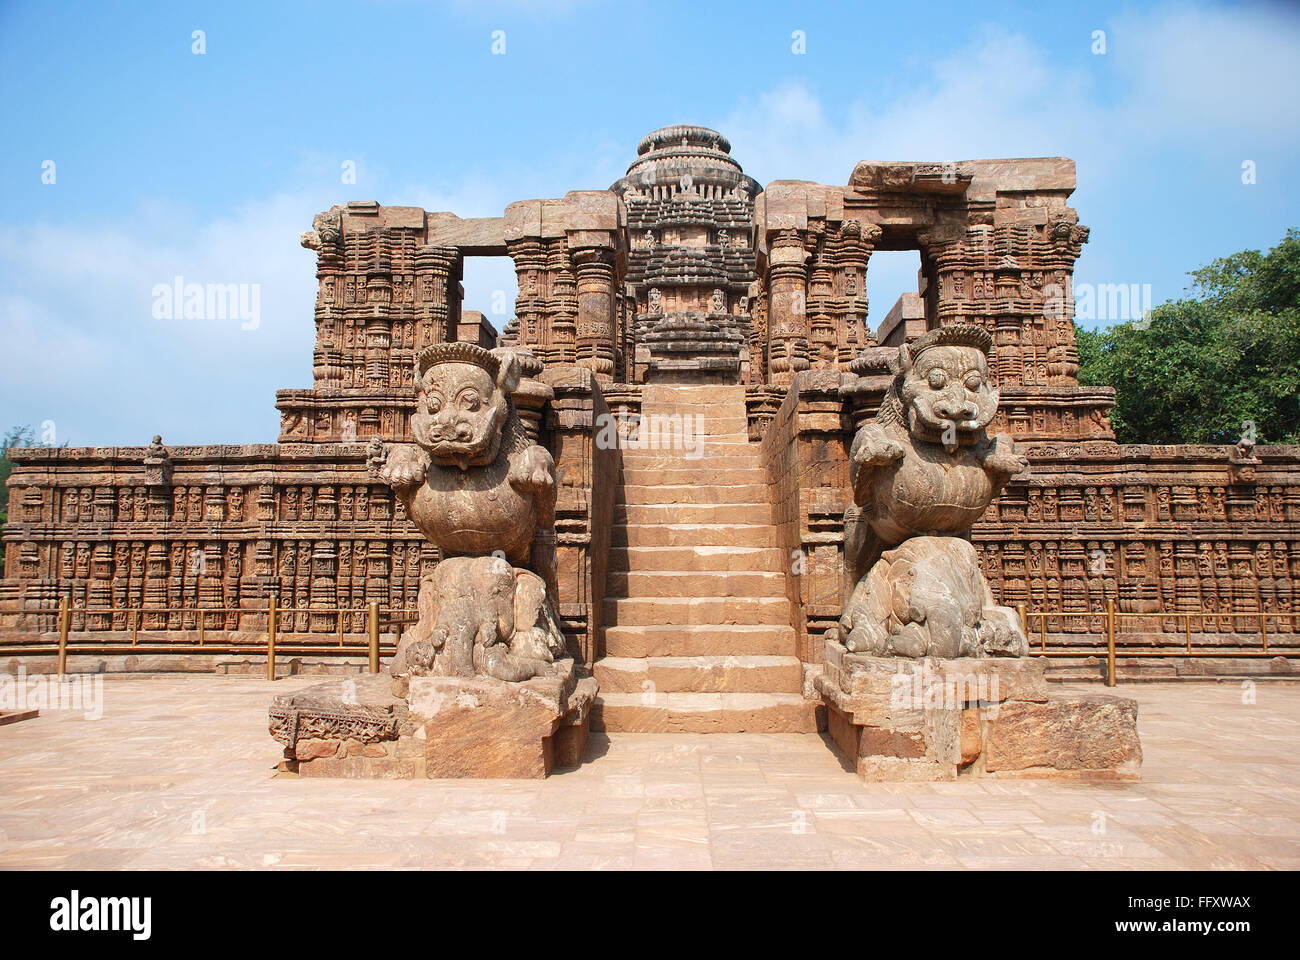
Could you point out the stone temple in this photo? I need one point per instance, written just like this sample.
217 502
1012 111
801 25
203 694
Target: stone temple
698 574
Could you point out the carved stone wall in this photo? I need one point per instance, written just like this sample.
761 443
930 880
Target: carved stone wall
228 526
233 525
997 243
1157 528
569 255
786 272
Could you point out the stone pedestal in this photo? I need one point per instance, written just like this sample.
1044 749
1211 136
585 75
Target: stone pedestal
436 727
932 719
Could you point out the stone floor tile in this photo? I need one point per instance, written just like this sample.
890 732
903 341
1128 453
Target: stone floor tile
179 774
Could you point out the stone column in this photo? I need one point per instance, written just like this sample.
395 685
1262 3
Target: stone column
378 324
595 324
434 271
857 242
329 316
562 307
954 261
530 267
155 584
787 307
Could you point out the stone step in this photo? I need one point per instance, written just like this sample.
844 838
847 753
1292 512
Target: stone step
701 473
705 419
710 583
720 640
690 611
716 674
711 394
696 453
691 535
756 513
706 713
692 493
695 559
672 439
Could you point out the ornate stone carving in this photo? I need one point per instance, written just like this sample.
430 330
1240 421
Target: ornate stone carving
923 472
157 464
484 495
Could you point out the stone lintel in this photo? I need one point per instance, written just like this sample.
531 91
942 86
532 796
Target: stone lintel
473 237
594 211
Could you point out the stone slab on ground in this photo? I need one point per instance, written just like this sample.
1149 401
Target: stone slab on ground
895 719
434 727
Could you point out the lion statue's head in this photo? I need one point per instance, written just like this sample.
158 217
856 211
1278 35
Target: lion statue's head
942 385
462 402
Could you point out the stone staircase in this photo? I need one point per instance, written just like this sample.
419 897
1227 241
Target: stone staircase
698 636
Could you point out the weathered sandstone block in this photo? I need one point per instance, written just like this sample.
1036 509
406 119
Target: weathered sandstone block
936 719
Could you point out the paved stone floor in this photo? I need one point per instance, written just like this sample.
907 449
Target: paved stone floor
178 773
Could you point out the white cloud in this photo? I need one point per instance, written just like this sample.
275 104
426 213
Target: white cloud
1179 72
1176 85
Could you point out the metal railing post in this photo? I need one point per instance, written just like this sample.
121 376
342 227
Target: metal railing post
1110 642
1024 619
65 624
271 616
374 636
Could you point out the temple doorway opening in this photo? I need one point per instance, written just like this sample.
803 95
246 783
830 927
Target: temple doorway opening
488 291
897 290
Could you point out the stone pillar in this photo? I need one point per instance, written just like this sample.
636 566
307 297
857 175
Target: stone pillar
787 307
378 324
758 338
98 588
562 307
328 368
530 267
435 268
595 325
155 585
857 241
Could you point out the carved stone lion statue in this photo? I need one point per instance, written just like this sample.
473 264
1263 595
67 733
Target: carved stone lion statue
923 471
484 494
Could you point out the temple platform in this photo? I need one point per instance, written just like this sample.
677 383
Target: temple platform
1219 789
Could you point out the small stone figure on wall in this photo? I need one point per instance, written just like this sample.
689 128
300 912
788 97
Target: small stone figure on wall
157 463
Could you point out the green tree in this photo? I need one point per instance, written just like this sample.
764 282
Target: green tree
1203 368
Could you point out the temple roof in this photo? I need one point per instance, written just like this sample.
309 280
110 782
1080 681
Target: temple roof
668 154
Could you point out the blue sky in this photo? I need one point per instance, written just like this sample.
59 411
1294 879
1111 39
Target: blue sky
168 162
